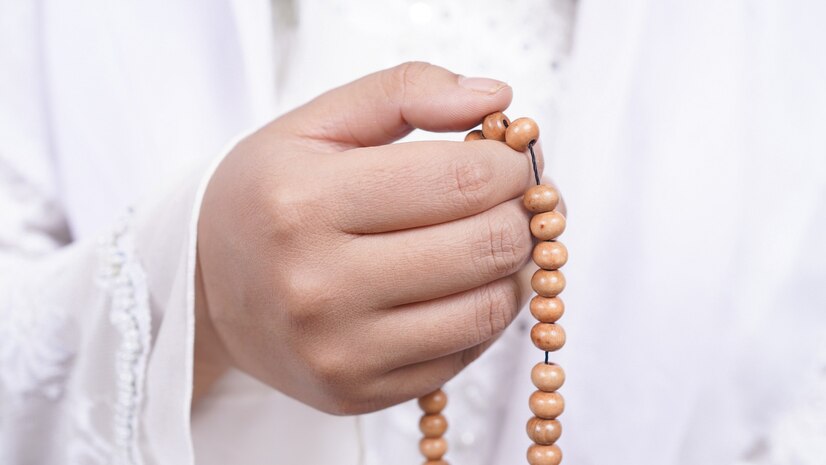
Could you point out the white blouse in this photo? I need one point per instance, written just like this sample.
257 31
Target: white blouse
686 138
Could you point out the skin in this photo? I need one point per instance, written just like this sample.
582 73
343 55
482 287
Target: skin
351 274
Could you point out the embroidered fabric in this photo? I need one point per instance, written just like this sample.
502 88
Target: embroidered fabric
40 336
124 279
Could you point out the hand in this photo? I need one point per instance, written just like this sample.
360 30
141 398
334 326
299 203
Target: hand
353 275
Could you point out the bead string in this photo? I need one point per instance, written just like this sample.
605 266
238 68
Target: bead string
546 225
538 183
533 162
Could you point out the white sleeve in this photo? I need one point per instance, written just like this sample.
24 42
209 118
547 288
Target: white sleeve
96 338
96 343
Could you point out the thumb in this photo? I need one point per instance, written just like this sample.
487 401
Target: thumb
385 106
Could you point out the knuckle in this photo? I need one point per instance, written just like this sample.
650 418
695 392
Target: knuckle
468 181
396 82
497 309
331 368
301 290
309 297
286 212
504 246
346 388
410 71
296 206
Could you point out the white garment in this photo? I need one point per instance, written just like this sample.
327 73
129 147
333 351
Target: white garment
690 153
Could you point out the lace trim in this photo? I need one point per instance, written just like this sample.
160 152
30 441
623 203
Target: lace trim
122 275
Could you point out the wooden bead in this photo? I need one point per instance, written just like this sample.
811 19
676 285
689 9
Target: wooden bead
549 337
433 426
547 226
540 199
520 133
547 377
550 255
434 402
544 432
495 125
547 405
544 455
433 448
474 135
547 309
548 283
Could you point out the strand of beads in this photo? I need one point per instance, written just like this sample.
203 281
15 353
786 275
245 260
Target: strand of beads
433 426
546 403
546 225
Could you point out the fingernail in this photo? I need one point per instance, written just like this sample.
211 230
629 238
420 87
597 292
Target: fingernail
479 84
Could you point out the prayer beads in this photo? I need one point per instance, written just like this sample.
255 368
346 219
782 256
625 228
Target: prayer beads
548 282
433 426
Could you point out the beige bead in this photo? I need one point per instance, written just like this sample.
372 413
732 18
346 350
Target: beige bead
549 337
474 135
550 255
433 448
495 125
540 199
433 426
544 455
547 405
544 432
434 402
547 309
547 226
548 283
547 377
520 133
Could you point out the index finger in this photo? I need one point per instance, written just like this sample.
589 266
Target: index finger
416 184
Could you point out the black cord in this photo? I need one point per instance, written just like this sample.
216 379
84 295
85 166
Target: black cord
533 161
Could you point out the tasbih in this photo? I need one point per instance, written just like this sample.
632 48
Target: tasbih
546 225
